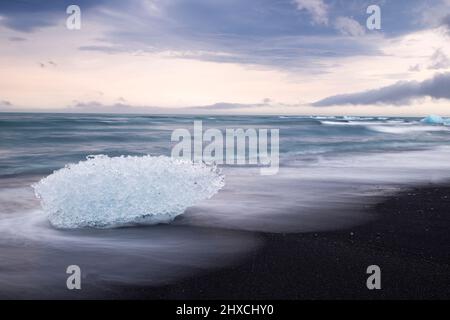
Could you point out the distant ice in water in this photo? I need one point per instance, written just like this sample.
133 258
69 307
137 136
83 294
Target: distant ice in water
104 192
433 119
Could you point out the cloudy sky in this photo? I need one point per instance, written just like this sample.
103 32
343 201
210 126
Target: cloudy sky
226 56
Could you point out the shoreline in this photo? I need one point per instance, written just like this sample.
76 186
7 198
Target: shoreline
406 239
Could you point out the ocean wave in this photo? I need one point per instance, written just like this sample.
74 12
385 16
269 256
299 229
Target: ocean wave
356 118
107 192
323 117
405 129
330 192
351 123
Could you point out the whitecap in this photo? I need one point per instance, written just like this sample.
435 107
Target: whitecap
405 129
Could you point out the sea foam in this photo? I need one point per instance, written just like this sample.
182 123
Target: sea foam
104 192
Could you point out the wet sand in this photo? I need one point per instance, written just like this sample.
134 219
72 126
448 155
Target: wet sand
409 239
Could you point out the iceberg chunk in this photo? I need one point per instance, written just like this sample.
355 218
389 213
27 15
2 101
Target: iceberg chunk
104 192
433 119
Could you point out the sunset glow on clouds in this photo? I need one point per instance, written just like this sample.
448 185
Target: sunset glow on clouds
295 57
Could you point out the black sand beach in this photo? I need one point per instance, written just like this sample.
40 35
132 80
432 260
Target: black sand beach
409 240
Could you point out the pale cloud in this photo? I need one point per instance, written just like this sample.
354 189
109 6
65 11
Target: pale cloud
349 27
414 68
435 15
446 23
439 60
319 12
234 106
316 8
17 39
5 103
174 81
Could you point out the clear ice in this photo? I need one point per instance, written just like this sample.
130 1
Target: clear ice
104 192
433 119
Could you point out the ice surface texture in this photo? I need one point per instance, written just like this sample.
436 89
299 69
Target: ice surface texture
432 119
104 192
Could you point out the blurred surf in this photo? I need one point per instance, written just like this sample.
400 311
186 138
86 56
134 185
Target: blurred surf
331 169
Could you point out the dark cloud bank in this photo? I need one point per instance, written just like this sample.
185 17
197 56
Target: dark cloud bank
400 93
